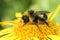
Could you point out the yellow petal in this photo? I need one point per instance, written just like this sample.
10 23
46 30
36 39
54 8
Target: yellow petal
18 14
8 37
50 15
54 13
35 38
54 37
6 23
7 30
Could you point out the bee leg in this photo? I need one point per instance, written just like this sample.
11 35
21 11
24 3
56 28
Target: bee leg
36 23
46 23
44 20
38 27
45 16
24 23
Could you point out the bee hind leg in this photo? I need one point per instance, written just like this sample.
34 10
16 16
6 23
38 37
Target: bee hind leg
46 23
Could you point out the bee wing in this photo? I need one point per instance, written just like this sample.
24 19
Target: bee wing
42 12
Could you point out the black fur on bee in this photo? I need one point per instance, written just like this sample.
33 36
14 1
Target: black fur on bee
33 16
37 16
25 19
44 13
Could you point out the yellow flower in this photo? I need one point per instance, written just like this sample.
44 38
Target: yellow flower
30 31
53 37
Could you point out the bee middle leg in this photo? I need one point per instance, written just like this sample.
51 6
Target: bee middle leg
36 23
43 20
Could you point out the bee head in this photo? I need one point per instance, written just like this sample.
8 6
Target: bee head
25 19
30 12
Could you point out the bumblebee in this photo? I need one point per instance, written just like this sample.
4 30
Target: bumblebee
36 16
39 15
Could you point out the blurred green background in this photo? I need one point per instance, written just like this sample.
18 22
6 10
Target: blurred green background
8 8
